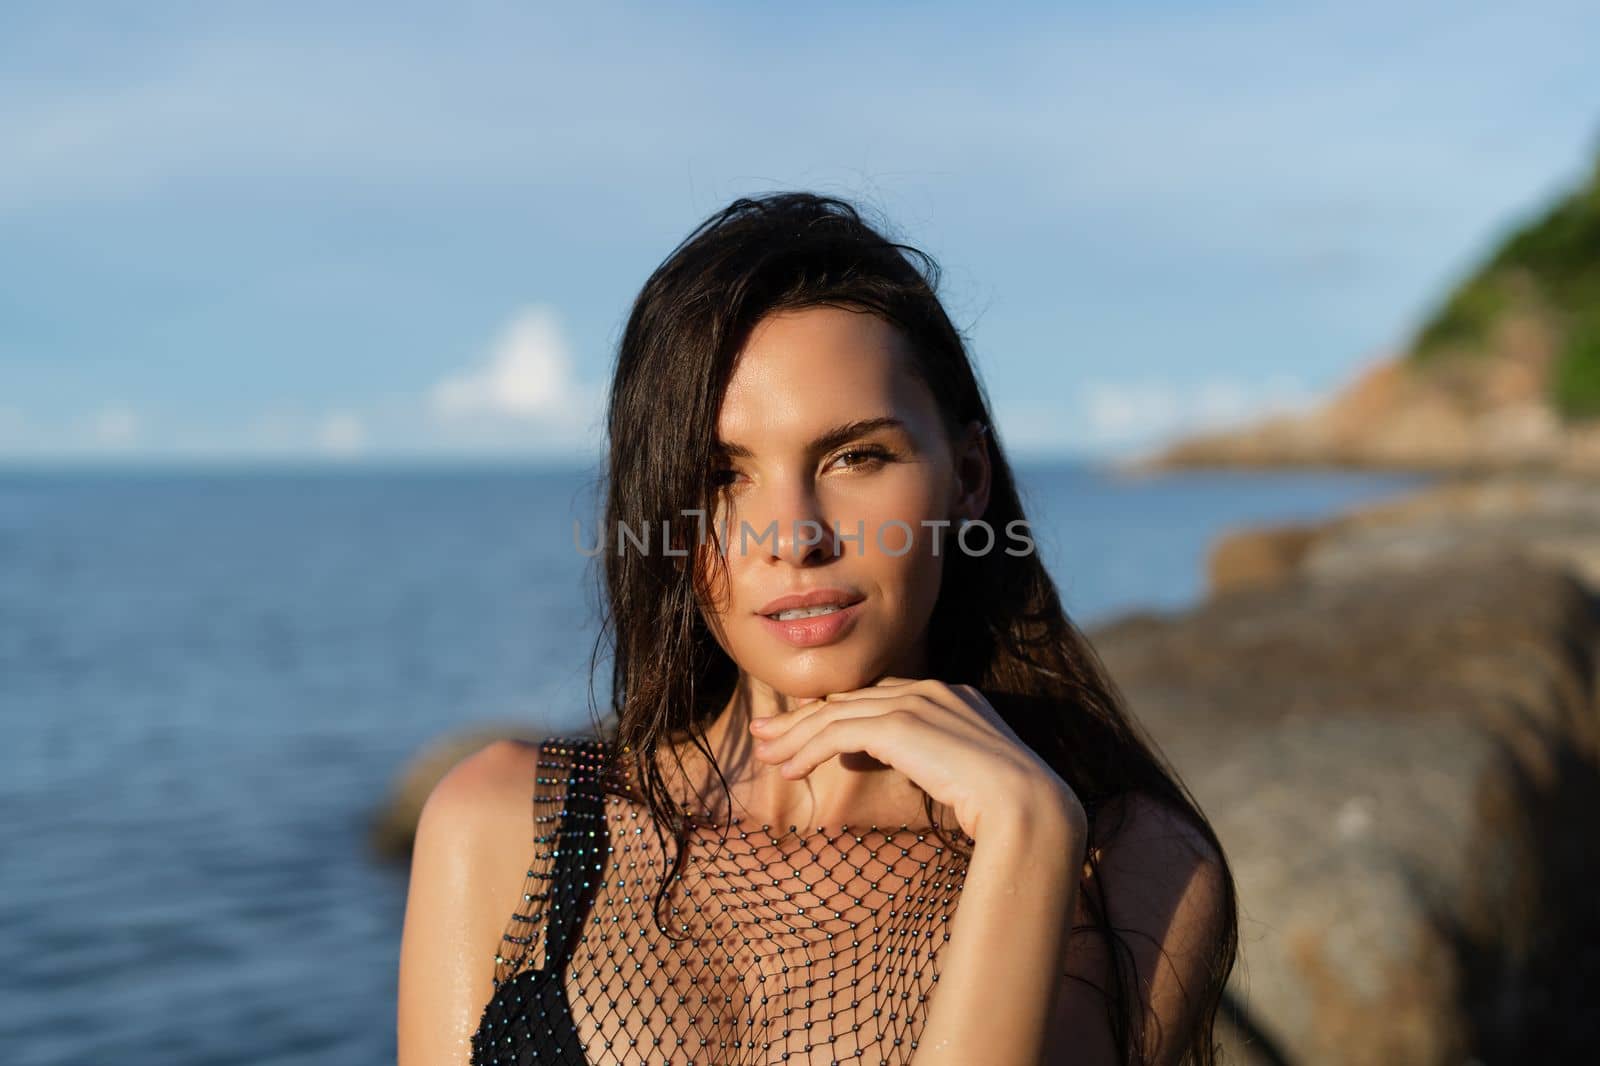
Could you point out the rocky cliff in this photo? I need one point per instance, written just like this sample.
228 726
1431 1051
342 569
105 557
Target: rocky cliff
1505 373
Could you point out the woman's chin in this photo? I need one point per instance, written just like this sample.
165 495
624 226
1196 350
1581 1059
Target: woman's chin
817 683
810 673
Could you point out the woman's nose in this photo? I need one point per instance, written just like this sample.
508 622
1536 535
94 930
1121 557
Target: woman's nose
795 527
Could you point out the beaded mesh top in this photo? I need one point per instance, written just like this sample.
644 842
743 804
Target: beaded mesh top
786 946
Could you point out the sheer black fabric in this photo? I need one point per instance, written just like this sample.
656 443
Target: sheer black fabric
794 946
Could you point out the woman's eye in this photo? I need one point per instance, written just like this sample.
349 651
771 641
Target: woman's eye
863 457
854 459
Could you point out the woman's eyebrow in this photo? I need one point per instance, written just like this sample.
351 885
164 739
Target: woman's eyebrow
828 439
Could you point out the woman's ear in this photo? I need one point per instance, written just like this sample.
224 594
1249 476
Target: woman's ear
972 471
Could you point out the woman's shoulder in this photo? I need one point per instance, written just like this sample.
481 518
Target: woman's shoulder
478 804
480 821
499 778
469 862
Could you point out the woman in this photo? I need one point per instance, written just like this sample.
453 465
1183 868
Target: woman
826 612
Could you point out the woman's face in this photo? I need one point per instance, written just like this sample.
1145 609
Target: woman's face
823 434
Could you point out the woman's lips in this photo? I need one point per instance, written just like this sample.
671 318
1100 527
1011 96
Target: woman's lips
810 632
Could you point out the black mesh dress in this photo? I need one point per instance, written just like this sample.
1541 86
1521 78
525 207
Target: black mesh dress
800 947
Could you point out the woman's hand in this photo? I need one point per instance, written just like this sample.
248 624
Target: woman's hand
946 738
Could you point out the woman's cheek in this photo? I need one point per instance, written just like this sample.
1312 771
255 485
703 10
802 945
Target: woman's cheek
895 524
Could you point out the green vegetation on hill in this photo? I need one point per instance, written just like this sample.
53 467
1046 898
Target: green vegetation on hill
1575 380
1549 268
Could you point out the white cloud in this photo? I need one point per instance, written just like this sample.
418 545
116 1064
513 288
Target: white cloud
1110 414
111 430
527 377
334 434
342 434
114 428
274 431
1129 412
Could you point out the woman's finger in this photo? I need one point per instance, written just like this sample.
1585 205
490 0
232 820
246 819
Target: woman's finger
935 693
928 693
883 686
776 725
780 747
881 736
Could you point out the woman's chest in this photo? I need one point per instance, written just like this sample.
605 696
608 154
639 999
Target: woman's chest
759 948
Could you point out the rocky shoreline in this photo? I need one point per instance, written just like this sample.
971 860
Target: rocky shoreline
1475 419
1390 717
1502 375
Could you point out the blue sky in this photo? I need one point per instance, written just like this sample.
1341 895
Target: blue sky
234 232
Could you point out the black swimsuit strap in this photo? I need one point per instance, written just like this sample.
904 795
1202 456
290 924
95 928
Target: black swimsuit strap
580 845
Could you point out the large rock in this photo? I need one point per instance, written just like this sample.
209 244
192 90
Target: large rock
1398 764
1553 517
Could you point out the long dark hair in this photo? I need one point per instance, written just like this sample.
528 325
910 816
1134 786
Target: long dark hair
998 623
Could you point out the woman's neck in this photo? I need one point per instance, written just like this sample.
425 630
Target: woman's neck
853 789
